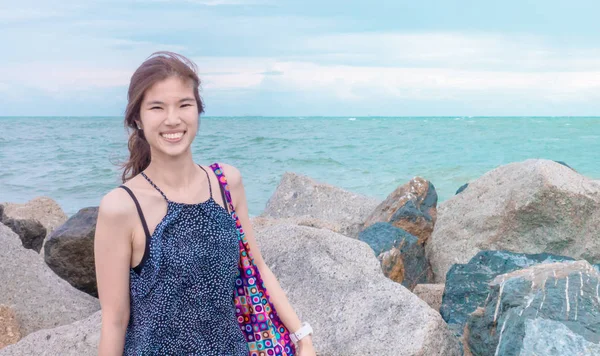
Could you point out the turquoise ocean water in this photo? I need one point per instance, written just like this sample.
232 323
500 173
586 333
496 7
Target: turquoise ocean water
71 159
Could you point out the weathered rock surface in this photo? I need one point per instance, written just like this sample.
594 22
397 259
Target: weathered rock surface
79 338
301 197
411 207
547 309
314 265
69 250
43 209
39 298
336 284
401 255
534 206
33 221
467 285
431 294
9 327
31 232
260 222
548 337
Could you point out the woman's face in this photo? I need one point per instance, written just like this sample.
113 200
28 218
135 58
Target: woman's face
169 116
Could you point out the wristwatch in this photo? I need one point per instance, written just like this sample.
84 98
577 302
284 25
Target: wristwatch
304 331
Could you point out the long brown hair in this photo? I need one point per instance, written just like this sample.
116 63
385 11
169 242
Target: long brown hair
159 66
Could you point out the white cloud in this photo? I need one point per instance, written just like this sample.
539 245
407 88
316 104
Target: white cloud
343 82
350 67
63 77
450 50
231 73
366 82
357 83
428 66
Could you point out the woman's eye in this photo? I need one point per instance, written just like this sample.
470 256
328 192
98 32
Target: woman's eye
186 105
155 107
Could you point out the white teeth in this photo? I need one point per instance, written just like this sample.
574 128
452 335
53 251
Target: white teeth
172 136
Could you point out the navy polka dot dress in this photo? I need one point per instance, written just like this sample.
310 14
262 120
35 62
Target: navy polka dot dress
182 292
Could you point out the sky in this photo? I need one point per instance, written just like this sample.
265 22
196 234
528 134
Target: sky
308 58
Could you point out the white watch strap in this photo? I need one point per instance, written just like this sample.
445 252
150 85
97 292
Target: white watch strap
304 331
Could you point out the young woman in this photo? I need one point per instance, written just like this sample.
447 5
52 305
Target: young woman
166 246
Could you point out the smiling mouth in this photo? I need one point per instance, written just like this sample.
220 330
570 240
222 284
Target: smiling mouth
173 137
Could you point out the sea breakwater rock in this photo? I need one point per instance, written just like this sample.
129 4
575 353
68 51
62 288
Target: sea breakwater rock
32 221
431 294
300 196
39 298
411 207
69 251
467 285
534 206
79 338
9 327
31 232
312 266
547 309
401 255
259 222
315 264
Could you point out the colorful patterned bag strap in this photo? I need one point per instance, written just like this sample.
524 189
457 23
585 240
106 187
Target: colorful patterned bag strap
230 209
256 314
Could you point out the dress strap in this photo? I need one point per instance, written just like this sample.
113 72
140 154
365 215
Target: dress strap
138 268
208 179
154 185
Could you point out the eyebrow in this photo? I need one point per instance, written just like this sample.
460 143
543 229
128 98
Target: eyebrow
158 102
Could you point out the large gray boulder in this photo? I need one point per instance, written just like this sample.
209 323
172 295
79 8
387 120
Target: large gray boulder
69 250
9 327
431 294
259 222
39 298
300 196
335 283
332 281
546 309
77 339
32 221
531 207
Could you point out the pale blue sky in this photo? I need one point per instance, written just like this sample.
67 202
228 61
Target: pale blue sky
265 57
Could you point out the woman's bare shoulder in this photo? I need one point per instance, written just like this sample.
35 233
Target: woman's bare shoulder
117 206
234 176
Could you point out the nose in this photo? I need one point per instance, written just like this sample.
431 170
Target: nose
173 118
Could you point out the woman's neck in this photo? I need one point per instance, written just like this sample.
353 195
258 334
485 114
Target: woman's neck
174 174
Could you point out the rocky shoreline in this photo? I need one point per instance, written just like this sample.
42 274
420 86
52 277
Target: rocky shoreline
508 266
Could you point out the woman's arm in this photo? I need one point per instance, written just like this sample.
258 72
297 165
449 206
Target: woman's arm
277 295
112 253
